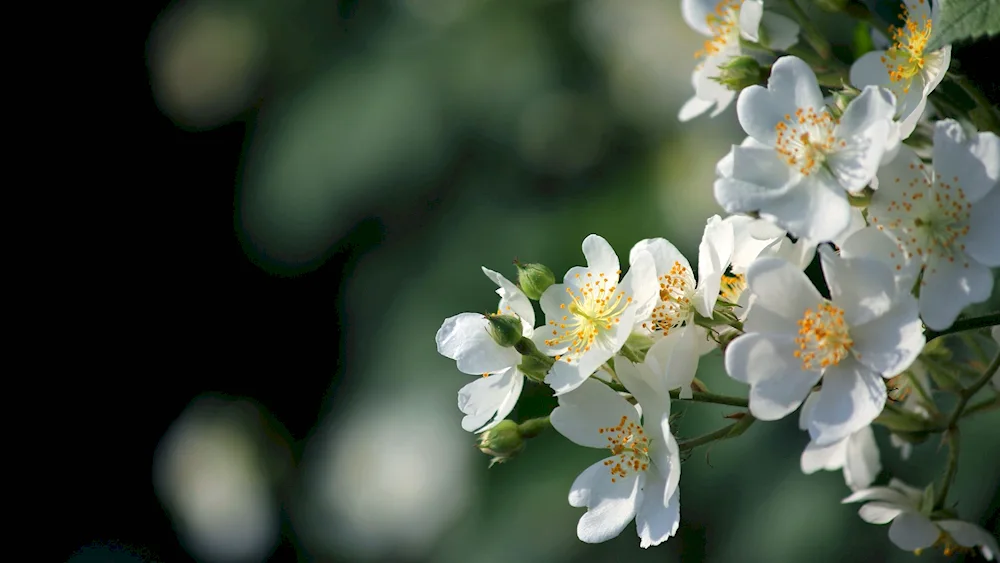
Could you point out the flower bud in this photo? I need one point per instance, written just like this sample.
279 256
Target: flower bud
534 279
831 5
841 99
503 441
505 329
739 72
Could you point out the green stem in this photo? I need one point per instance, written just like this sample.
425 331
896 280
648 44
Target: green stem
731 431
961 325
812 33
968 393
915 383
696 396
533 426
949 474
982 406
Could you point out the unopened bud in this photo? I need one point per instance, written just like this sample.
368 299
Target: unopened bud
831 5
505 329
841 99
534 279
740 72
503 442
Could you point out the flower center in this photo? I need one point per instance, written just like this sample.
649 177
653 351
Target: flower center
630 445
930 219
948 546
733 285
674 307
823 337
594 309
805 139
905 59
724 25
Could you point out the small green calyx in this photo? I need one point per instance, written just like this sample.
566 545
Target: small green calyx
841 99
534 279
741 72
505 329
503 442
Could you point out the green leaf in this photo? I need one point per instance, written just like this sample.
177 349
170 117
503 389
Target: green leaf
960 20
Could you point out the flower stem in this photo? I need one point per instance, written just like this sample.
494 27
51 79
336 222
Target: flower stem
812 33
533 426
731 431
968 392
696 396
961 325
949 474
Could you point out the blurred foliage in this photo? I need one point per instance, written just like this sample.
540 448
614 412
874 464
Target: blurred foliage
447 134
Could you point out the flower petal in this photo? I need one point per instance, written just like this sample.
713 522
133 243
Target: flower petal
663 252
871 242
852 397
912 531
974 161
759 179
649 389
781 287
656 521
862 462
829 457
675 358
714 253
879 512
863 287
970 535
601 258
948 287
513 300
610 505
816 209
693 108
864 128
465 339
750 14
782 32
591 406
778 385
792 85
489 399
695 14
889 344
887 494
984 230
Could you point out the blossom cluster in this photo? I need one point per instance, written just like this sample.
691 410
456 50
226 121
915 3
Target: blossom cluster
906 240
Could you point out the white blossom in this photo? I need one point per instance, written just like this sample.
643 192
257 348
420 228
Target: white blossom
856 455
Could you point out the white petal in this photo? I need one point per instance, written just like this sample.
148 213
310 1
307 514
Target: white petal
655 522
693 108
610 505
863 287
675 358
750 14
984 230
949 287
714 254
889 344
912 531
663 252
695 14
828 457
747 246
970 535
465 339
862 463
588 408
782 32
601 258
792 85
579 491
799 253
649 389
489 399
513 300
642 285
707 87
872 242
975 162
869 70
806 411
781 287
851 397
759 179
865 128
887 494
778 385
816 209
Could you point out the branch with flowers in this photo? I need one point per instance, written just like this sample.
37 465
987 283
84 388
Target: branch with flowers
906 235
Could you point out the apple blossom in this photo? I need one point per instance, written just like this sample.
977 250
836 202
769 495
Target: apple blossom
856 455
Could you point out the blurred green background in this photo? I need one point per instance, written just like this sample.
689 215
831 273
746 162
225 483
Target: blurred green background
439 136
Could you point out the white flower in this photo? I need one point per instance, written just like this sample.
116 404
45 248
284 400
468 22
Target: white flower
794 337
679 342
590 315
640 478
725 22
911 528
465 338
804 160
857 455
945 218
905 69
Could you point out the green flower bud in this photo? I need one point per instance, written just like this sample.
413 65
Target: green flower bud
503 442
831 5
505 329
534 279
740 72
